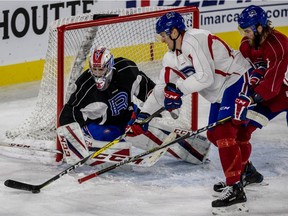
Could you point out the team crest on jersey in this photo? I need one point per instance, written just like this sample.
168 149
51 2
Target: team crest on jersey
252 13
118 102
188 70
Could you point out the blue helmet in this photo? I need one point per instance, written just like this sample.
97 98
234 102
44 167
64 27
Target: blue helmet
251 16
169 21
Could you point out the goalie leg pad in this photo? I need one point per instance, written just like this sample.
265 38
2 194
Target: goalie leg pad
192 150
114 154
72 142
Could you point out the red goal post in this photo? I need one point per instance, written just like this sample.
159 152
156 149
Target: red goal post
128 33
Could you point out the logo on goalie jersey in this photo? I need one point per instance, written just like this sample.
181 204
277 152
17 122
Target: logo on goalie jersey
118 102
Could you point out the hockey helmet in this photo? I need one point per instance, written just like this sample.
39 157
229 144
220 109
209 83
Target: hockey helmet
169 21
101 66
251 17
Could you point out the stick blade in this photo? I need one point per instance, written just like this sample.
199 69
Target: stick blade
22 186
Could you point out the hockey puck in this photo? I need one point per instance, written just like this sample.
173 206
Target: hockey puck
35 191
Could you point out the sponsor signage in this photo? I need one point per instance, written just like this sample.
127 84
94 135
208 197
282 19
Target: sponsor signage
24 25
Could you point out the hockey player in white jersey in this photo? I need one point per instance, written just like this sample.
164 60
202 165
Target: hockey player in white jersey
198 61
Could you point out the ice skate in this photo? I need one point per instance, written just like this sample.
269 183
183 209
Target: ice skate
249 177
231 200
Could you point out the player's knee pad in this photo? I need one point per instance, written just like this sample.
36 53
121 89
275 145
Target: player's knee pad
225 130
244 133
224 143
103 132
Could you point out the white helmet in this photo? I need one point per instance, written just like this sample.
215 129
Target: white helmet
101 66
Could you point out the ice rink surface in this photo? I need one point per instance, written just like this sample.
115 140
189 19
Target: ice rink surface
169 188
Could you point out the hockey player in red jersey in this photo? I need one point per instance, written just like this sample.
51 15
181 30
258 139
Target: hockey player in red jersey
198 61
262 43
267 51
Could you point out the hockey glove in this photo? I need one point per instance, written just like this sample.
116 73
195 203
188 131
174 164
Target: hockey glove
134 115
138 128
172 97
242 102
256 76
260 63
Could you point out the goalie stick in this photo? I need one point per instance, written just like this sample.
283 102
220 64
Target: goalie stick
36 188
101 157
184 135
29 147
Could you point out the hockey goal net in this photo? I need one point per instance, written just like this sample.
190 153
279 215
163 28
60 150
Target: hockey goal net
127 33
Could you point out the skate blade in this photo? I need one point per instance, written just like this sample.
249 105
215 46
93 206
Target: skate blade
236 209
263 183
216 194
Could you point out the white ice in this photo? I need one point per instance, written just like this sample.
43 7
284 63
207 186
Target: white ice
169 188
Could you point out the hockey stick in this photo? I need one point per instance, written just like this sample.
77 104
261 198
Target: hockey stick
36 188
28 147
185 134
116 158
147 161
155 156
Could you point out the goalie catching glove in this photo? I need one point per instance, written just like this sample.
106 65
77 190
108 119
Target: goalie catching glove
138 128
172 97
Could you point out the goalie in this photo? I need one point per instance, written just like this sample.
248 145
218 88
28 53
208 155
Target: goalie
101 105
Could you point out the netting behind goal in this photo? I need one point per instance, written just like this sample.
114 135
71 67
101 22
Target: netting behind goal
128 33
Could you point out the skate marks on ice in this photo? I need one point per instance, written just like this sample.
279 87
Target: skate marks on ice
237 209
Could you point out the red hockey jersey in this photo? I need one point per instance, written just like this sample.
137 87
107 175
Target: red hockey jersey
274 52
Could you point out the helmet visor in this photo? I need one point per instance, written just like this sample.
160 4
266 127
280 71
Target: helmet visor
241 31
247 30
102 77
99 72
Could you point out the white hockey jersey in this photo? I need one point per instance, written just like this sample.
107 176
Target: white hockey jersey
205 64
